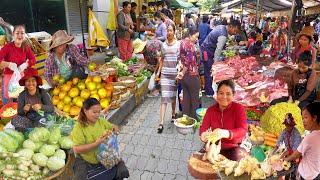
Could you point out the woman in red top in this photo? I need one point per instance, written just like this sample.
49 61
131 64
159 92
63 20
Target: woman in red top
305 38
228 119
15 56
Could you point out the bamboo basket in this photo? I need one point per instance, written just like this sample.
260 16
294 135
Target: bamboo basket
131 84
66 172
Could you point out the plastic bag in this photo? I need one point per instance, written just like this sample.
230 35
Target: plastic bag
14 89
108 152
152 82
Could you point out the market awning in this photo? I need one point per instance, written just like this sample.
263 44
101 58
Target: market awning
270 5
180 4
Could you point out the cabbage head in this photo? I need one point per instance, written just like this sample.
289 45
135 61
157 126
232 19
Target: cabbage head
2 149
65 143
28 144
27 153
16 135
60 154
54 163
271 121
40 159
38 146
55 135
8 142
39 134
47 150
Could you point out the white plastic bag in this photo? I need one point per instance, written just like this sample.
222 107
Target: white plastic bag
14 89
152 82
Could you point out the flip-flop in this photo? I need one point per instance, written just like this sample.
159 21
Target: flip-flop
173 117
160 128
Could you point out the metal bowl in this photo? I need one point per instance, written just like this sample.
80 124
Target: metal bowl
185 129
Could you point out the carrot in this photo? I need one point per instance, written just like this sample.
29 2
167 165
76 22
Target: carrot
270 143
267 138
270 135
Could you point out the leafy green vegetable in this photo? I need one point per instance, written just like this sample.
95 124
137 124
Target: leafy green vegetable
60 154
8 142
16 135
39 134
131 61
55 135
28 144
2 149
54 163
40 159
27 153
65 143
47 150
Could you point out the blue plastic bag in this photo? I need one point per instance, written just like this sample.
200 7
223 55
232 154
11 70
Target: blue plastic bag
108 152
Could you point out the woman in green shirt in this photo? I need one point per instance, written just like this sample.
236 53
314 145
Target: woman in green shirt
87 135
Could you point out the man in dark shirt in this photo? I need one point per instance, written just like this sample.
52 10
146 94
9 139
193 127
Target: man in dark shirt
133 14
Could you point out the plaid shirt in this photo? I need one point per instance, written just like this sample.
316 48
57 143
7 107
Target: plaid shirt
73 56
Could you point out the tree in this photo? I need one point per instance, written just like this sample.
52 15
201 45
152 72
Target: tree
208 5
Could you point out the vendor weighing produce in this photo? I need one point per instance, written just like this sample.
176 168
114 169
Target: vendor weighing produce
31 102
227 120
64 59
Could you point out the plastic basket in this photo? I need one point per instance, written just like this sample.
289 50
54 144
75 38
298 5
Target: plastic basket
5 120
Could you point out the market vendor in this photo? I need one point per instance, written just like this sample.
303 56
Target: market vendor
64 59
228 119
212 47
87 135
15 56
290 135
308 150
31 101
303 82
304 43
161 30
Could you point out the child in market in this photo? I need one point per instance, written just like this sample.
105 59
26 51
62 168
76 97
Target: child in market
290 136
308 150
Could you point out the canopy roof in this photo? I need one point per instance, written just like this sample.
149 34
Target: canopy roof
268 5
180 4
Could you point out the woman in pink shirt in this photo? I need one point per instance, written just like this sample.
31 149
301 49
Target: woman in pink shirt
308 150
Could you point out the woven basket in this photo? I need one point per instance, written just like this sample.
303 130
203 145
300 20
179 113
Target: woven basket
115 104
66 172
130 84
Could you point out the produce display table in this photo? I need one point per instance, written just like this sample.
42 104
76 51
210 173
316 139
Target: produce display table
118 115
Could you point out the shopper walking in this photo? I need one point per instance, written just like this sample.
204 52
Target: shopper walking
189 74
168 62
125 31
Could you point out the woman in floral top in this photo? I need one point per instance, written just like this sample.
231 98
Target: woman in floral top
189 73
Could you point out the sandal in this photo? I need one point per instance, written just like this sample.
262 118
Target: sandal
160 128
173 117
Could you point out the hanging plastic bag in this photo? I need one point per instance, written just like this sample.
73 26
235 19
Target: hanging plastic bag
108 152
14 89
152 82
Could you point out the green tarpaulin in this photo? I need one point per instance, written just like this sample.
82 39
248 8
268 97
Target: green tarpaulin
181 4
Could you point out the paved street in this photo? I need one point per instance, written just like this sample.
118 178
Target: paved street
150 155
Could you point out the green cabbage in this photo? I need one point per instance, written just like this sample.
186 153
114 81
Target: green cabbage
16 135
8 142
28 144
40 159
60 154
55 135
54 163
39 134
27 153
47 150
56 146
38 146
2 149
65 143
271 121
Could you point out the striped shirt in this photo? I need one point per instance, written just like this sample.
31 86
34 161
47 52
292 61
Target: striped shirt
170 55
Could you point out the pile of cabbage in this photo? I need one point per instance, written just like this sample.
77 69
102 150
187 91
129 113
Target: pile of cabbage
271 121
34 157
